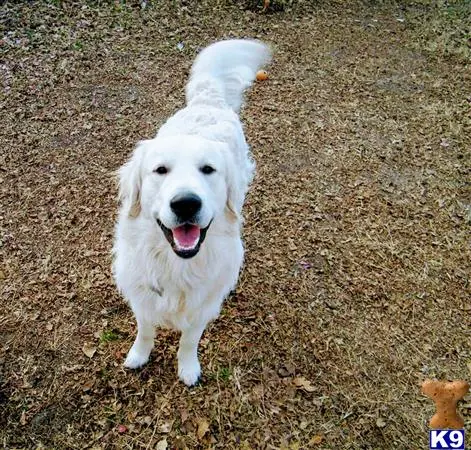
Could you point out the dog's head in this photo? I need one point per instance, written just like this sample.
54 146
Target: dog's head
183 184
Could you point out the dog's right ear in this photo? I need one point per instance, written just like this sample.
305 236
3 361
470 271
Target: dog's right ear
130 181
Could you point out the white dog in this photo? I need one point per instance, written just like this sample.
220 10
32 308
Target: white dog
178 249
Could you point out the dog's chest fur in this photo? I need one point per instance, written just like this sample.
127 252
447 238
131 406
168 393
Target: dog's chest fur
175 291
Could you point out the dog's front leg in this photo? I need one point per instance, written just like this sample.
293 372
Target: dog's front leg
143 345
189 369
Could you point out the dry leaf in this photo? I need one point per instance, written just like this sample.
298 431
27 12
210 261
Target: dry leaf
88 385
286 370
245 446
89 349
72 368
380 422
302 383
203 428
184 414
162 445
23 418
317 439
283 372
166 427
147 420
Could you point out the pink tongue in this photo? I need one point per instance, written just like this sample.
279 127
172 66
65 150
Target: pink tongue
186 236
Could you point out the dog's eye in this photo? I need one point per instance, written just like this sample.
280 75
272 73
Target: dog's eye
207 169
161 170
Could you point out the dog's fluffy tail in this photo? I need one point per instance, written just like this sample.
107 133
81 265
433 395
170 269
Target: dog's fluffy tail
222 72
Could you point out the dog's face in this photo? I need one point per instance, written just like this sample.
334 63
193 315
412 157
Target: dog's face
182 184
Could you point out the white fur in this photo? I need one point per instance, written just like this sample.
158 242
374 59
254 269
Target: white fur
162 288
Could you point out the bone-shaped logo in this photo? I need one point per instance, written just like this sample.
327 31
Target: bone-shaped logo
446 395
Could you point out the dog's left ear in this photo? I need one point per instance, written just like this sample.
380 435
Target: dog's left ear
238 179
231 210
130 181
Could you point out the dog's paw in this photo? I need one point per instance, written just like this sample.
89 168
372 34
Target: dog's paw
189 373
136 359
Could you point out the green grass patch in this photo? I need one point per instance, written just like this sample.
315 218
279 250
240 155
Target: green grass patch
109 336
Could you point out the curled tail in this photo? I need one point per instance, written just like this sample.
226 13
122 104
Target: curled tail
222 72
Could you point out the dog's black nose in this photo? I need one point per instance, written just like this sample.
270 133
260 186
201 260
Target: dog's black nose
186 206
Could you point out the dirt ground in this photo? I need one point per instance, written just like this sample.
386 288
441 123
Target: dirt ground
356 283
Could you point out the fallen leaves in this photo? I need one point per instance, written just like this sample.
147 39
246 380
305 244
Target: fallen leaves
380 422
317 439
287 370
166 427
89 350
203 428
302 383
162 444
88 385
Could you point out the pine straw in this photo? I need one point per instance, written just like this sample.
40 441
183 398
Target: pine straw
356 284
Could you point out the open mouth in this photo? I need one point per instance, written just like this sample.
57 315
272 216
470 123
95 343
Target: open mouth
185 239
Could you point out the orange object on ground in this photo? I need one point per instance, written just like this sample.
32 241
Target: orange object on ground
261 75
